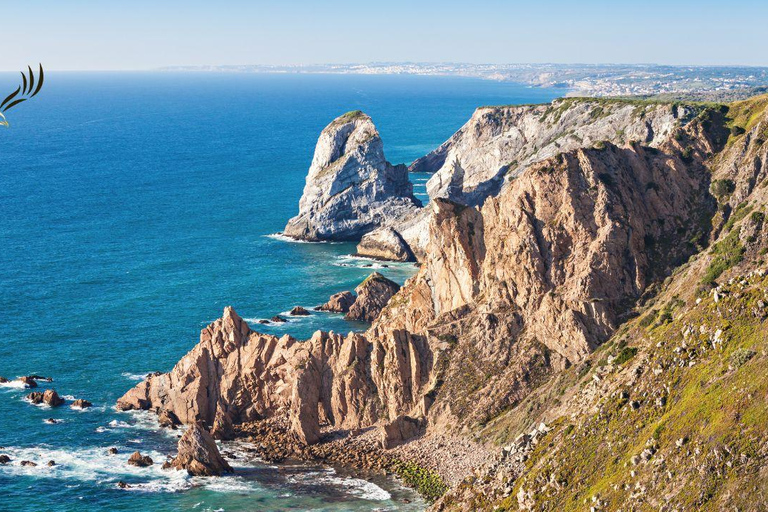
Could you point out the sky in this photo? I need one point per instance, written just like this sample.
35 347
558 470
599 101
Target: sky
147 34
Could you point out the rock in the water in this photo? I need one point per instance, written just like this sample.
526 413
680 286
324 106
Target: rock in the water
49 397
123 485
28 463
3 380
385 243
81 404
199 455
263 321
40 377
400 429
339 302
351 189
278 319
168 419
299 311
51 463
51 421
139 460
4 459
373 294
28 382
112 451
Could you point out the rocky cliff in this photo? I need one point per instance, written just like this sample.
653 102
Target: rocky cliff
501 142
351 189
516 301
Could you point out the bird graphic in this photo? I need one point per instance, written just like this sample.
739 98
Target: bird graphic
26 90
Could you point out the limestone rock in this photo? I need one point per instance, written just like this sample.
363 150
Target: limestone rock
351 189
385 243
139 460
199 455
373 294
339 302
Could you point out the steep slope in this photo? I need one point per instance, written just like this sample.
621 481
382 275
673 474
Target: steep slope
351 189
672 409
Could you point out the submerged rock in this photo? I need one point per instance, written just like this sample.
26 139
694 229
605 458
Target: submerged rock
386 244
351 189
373 294
199 455
139 460
339 302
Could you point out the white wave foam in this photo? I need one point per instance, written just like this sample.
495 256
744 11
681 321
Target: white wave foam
13 384
356 487
283 238
135 376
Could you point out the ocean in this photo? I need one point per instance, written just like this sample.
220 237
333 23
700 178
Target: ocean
133 208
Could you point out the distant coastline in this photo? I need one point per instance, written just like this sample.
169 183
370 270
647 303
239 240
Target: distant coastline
706 82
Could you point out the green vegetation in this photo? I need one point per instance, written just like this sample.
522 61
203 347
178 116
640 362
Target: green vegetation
625 355
739 213
728 252
722 188
426 482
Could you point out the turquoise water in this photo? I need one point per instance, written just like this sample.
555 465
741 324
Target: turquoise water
133 208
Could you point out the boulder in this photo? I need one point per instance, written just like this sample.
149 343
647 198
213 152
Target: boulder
299 311
51 463
199 455
123 485
351 189
4 459
28 382
28 463
112 451
278 319
385 243
401 429
339 302
373 294
49 397
81 404
3 380
168 419
139 460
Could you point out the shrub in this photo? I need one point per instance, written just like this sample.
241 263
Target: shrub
737 130
426 482
728 253
625 355
741 356
722 188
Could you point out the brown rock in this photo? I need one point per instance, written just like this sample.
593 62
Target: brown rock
51 463
28 463
277 319
299 311
373 294
29 382
123 485
399 430
81 404
49 397
112 451
139 460
3 380
168 419
199 455
4 459
339 302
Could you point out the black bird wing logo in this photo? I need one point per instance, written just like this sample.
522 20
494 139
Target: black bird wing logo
28 89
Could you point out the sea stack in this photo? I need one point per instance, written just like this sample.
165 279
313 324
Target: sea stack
351 188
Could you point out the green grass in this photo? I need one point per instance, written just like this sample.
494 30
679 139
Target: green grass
428 483
728 252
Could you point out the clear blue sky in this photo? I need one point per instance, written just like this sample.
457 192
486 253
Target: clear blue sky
145 34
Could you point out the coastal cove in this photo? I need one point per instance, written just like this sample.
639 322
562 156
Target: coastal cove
134 208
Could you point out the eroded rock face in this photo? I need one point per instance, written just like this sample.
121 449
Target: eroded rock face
500 142
339 302
401 429
385 243
351 189
139 460
373 294
199 455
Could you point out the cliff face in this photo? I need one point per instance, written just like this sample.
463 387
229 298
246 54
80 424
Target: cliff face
351 189
500 142
511 298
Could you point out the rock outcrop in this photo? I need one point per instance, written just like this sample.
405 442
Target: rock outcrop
351 189
401 429
49 397
386 244
373 294
139 460
299 311
199 455
338 302
499 143
81 403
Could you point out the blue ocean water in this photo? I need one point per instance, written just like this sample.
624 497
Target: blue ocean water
133 208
